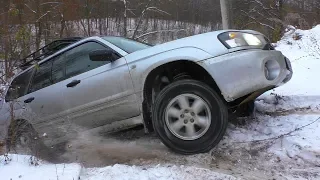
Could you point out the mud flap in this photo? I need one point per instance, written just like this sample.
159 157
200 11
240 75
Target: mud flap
246 107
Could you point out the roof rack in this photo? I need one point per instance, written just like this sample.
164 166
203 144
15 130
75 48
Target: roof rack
47 50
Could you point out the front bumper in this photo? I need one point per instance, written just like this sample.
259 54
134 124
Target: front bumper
241 73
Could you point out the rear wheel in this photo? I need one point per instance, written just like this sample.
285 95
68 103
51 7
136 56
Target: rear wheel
22 138
189 117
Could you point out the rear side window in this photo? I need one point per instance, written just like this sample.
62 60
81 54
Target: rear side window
19 86
58 69
42 77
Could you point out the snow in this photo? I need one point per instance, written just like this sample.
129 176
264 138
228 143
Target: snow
287 141
304 55
20 167
287 120
289 115
124 172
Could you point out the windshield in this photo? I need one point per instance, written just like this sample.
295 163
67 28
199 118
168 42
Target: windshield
125 44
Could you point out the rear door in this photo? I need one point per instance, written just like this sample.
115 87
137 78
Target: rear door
16 95
46 100
96 93
19 86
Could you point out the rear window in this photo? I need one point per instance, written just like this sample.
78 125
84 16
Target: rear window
19 86
42 77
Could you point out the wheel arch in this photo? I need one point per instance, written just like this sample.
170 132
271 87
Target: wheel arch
183 68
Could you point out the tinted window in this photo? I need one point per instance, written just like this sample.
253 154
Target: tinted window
127 45
58 69
78 61
42 77
19 86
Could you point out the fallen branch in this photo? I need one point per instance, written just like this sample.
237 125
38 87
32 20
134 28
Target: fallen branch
159 31
282 135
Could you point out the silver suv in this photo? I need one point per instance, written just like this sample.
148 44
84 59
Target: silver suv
183 90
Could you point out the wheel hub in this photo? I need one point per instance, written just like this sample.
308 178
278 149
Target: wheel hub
23 141
188 116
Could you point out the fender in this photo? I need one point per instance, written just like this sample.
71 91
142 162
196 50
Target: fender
140 69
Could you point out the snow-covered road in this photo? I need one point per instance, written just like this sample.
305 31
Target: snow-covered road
281 142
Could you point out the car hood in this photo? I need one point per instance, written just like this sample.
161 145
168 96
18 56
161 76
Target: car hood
207 42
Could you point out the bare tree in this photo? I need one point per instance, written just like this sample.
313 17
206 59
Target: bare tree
225 13
145 10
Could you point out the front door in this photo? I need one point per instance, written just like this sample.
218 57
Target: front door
96 93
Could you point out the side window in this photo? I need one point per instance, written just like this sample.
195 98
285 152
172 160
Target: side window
42 77
19 86
78 61
58 69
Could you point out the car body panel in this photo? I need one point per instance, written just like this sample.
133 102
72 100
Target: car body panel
204 42
240 73
47 110
105 84
141 68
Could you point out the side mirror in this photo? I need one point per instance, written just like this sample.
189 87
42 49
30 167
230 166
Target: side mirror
103 55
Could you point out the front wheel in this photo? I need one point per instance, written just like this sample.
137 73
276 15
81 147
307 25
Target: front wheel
189 117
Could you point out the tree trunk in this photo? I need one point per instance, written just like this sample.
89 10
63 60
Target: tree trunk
6 40
88 18
37 24
125 19
100 26
62 26
225 14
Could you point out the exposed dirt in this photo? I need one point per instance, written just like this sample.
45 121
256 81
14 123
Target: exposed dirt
299 111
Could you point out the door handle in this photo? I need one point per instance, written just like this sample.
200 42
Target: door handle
29 100
73 83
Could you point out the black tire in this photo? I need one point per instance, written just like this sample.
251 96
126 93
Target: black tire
22 138
219 117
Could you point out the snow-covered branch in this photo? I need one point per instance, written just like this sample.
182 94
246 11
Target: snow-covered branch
30 9
159 31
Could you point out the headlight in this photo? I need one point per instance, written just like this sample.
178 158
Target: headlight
239 39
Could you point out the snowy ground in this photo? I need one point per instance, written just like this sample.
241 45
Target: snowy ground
281 142
24 168
296 104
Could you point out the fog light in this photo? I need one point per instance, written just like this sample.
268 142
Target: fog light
272 70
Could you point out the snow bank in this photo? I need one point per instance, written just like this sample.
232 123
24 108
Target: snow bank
304 55
20 168
123 172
